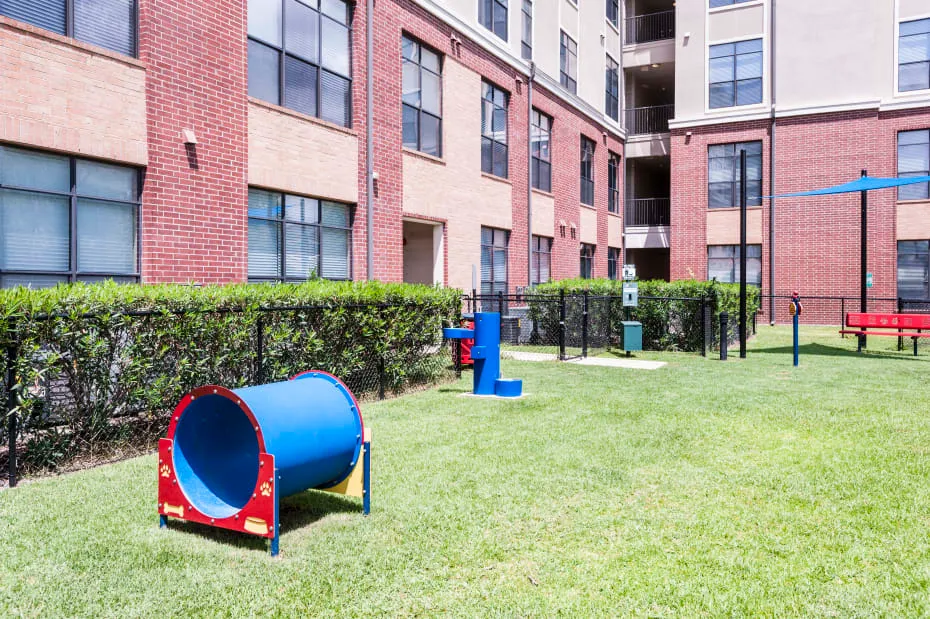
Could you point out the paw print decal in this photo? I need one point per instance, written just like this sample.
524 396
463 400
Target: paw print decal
266 489
165 470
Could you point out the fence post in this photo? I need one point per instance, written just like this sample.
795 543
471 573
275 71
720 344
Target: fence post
843 316
562 325
901 339
474 300
584 325
259 349
381 376
703 325
12 418
724 339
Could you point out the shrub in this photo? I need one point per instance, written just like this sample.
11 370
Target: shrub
669 311
100 367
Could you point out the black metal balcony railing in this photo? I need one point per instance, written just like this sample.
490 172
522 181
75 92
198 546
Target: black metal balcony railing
641 120
650 27
648 211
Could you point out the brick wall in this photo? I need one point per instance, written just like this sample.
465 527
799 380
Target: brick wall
817 238
59 94
194 200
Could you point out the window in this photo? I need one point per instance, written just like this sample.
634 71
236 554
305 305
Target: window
718 3
64 219
914 160
736 74
613 257
293 238
914 55
494 260
613 183
914 270
587 260
568 64
723 263
494 104
526 43
422 98
587 171
299 56
613 12
723 174
492 14
542 260
542 163
612 81
108 23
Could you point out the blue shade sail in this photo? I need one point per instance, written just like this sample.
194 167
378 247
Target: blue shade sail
866 183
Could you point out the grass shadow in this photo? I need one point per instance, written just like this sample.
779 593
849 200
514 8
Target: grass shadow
834 351
294 512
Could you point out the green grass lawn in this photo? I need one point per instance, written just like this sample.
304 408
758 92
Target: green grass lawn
703 488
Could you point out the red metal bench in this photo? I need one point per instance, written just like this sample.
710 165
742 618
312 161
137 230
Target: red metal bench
892 325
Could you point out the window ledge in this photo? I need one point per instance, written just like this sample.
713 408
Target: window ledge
415 153
587 206
40 33
733 208
612 26
499 179
922 201
301 116
612 214
548 194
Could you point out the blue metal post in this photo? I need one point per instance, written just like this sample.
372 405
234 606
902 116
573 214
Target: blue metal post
277 523
366 480
795 321
162 521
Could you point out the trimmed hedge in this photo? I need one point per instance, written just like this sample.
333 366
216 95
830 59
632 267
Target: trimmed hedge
100 367
670 311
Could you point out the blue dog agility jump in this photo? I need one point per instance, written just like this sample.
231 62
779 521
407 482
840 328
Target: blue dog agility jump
231 455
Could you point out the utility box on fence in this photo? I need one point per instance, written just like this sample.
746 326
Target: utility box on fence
630 294
632 336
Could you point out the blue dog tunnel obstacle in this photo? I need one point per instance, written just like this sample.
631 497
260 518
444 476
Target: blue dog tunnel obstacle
486 354
231 455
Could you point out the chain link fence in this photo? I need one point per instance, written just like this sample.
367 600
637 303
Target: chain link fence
87 388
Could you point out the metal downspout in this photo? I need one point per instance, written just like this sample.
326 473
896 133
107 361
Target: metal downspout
529 174
369 139
772 191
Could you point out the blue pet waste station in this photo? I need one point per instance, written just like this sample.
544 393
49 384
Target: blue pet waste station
231 455
486 354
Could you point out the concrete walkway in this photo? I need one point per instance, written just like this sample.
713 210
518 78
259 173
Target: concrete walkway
631 364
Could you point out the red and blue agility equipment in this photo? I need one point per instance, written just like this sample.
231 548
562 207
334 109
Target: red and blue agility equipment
231 455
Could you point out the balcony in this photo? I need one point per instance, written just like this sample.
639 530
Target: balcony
647 212
650 27
646 120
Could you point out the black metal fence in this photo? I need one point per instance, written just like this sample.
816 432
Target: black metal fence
98 386
650 27
569 326
648 211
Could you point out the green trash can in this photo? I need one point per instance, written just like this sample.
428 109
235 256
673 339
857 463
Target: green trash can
632 336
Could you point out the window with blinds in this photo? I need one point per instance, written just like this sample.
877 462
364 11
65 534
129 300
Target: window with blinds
914 55
587 261
494 104
421 107
542 259
587 171
613 183
612 89
540 137
735 74
723 174
64 219
568 63
723 263
914 160
108 23
492 14
613 259
914 270
299 56
294 238
526 41
494 243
